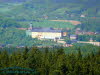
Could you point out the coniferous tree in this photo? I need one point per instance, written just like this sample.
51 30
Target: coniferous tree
25 53
4 60
79 56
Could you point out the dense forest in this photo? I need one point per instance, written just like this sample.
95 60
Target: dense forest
51 61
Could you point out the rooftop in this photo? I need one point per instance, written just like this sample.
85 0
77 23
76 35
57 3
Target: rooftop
45 30
73 35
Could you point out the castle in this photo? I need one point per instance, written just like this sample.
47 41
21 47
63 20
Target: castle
45 33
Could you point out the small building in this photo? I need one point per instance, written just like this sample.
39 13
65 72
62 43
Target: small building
90 33
82 15
78 32
91 40
68 45
64 33
73 37
2 45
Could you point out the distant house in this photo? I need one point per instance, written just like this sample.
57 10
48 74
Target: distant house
91 40
78 32
22 28
82 15
1 45
90 33
20 46
73 37
68 45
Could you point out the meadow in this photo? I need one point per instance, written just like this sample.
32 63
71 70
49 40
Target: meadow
47 23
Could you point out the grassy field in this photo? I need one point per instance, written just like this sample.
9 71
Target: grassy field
47 23
71 21
5 7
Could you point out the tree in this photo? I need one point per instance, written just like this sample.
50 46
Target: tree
25 53
4 59
79 56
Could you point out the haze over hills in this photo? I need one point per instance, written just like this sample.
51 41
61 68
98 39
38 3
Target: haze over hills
12 0
32 10
56 8
46 13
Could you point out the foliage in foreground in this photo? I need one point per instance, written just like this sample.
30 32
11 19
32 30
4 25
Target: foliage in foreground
54 62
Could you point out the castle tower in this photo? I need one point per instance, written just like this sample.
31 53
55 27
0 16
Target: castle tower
30 26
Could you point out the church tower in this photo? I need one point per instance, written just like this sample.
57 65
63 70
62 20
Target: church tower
30 26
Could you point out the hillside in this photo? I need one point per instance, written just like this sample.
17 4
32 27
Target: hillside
20 13
71 21
7 1
54 9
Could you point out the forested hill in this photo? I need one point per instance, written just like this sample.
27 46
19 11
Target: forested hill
60 7
31 10
51 0
13 0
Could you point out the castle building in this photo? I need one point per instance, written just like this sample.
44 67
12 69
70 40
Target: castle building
46 33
